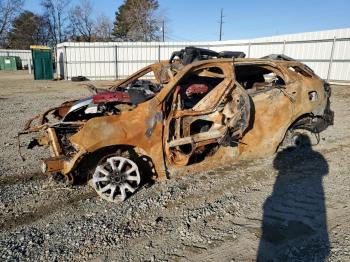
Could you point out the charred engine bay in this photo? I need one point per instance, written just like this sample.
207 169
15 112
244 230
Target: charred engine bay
111 102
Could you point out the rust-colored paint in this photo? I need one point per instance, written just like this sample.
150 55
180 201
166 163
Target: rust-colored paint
116 130
276 110
160 128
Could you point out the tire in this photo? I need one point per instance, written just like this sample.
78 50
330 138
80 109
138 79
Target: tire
296 139
116 176
78 78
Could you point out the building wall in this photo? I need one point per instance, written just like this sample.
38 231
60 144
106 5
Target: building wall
25 55
327 52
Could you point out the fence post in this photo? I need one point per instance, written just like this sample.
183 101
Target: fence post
159 53
30 66
249 49
331 59
65 63
284 47
116 62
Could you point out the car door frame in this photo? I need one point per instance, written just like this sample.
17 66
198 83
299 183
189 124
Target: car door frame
208 106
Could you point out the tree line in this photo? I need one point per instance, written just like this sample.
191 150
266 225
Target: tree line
60 21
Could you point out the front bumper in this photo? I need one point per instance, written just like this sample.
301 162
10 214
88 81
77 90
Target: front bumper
60 161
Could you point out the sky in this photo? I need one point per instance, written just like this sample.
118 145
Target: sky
198 20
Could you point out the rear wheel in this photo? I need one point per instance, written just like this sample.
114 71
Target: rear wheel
116 177
296 139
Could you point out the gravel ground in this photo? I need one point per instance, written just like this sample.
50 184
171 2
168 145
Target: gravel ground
293 206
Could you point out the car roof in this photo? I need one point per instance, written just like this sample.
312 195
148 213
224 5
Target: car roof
248 61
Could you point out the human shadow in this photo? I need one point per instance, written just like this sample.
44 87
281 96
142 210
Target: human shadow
294 226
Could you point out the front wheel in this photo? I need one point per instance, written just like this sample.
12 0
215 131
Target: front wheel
116 177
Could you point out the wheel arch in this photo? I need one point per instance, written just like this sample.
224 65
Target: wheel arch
298 123
83 166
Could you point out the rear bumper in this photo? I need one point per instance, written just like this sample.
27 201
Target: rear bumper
327 118
320 124
316 123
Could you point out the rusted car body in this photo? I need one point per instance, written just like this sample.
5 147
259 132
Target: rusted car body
224 109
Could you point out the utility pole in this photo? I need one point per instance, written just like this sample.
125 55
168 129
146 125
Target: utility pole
163 31
221 22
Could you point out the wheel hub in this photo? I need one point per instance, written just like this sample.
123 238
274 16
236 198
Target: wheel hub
296 140
114 177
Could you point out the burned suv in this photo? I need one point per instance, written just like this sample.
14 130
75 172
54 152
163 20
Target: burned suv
179 116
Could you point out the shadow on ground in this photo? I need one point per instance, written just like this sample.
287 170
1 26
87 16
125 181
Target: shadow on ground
294 226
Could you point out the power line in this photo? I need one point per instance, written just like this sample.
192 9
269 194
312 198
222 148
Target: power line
221 22
178 38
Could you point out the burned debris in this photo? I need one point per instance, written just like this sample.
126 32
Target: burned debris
192 54
195 104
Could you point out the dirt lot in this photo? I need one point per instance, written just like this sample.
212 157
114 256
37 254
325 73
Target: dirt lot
293 206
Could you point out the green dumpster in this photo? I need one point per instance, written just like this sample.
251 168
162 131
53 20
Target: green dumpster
8 63
42 62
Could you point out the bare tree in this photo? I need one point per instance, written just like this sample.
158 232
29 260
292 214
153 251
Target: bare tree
55 11
82 22
9 9
103 28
